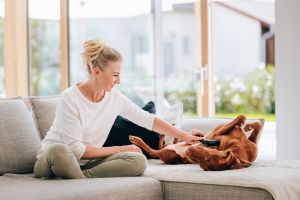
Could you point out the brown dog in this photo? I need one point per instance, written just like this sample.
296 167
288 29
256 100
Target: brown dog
234 151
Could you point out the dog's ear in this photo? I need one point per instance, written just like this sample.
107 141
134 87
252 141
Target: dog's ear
231 162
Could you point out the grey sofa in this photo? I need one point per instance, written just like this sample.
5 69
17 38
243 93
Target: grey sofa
24 122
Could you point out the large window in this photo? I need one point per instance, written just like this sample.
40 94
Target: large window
1 48
181 52
44 47
124 25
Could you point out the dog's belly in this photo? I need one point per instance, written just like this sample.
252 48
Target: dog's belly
180 148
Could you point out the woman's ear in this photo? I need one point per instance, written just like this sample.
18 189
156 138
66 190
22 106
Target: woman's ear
96 71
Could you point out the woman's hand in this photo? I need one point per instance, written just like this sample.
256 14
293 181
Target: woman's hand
196 132
130 148
166 128
193 137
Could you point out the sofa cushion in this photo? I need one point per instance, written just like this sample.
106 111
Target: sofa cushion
44 112
189 181
26 187
19 140
276 179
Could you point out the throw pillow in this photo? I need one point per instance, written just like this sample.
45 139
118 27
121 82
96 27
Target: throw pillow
122 128
19 140
44 112
173 115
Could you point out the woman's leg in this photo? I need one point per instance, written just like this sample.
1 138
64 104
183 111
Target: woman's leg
58 160
120 164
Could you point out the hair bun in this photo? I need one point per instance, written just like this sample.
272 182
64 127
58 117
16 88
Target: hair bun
93 48
97 53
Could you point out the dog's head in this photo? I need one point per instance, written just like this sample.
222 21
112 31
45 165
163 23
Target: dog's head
212 159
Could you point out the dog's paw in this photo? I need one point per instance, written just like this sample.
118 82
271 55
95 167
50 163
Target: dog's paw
134 139
248 127
241 120
255 125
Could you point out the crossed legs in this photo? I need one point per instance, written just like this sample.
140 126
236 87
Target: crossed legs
59 160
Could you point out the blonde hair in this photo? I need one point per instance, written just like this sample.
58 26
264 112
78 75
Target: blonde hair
97 54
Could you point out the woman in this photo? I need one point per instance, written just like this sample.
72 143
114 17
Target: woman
84 116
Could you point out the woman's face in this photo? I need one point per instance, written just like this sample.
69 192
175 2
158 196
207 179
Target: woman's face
110 76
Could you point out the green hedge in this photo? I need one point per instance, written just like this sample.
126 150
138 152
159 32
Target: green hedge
253 94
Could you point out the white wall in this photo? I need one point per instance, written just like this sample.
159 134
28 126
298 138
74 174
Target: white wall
288 79
236 42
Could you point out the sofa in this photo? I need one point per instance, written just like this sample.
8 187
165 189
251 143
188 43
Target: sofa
25 121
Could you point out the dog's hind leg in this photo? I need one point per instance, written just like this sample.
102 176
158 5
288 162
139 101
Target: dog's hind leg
140 143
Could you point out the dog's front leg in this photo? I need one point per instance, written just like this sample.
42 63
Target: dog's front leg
140 143
226 128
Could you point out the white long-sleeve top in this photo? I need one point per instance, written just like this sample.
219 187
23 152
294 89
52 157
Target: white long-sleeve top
79 122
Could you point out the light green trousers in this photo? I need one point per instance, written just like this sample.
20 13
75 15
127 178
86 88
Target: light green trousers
59 160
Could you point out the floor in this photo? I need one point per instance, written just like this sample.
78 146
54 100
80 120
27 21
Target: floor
267 142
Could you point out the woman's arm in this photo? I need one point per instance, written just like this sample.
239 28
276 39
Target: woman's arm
165 128
142 118
92 152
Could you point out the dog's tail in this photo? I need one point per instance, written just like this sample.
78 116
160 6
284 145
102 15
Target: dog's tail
140 143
